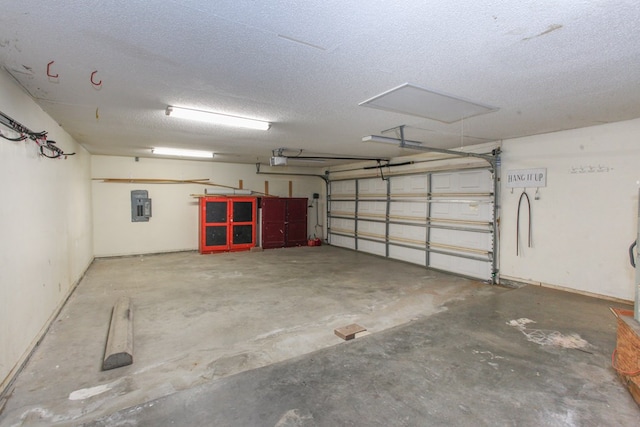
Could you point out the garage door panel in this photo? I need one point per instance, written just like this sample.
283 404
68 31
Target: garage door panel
469 211
408 209
409 184
441 182
407 234
372 208
462 182
343 208
341 228
343 225
479 181
419 183
464 266
480 211
414 256
371 187
342 241
372 229
441 210
343 188
466 239
375 248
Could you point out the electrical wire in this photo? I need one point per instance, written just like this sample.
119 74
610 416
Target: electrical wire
614 365
53 151
8 138
12 139
47 147
524 195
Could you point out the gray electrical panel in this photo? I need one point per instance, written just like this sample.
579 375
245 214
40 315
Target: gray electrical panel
140 206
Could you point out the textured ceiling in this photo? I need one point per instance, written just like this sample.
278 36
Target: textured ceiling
305 67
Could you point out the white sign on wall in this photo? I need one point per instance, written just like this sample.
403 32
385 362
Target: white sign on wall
527 178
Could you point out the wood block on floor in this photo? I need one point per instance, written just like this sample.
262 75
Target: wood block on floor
349 332
119 349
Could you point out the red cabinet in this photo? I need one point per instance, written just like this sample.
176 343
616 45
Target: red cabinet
227 224
284 222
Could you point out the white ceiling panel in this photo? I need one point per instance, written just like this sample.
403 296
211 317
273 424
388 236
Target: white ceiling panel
421 102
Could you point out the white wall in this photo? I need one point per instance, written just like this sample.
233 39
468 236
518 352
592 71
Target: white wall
586 217
174 222
45 228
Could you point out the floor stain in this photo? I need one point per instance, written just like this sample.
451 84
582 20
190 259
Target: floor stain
548 337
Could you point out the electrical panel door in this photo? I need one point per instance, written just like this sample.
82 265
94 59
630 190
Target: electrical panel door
140 206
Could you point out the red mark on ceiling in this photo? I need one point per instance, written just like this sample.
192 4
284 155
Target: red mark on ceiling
53 76
93 82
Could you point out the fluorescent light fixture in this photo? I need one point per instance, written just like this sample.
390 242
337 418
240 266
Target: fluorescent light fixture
387 140
216 118
163 151
421 102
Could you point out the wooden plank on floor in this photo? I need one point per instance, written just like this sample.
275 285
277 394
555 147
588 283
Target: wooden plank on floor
119 349
349 332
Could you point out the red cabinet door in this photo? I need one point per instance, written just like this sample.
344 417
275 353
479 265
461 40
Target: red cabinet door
284 222
274 215
227 224
242 231
214 225
296 222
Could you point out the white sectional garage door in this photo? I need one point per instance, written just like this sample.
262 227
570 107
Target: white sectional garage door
441 220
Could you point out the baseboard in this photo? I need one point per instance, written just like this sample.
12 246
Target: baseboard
518 283
133 255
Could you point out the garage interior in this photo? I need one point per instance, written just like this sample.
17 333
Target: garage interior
459 181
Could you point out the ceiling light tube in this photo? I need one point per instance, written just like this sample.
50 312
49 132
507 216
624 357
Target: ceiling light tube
216 118
164 151
387 140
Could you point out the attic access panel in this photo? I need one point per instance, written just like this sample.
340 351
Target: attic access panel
417 101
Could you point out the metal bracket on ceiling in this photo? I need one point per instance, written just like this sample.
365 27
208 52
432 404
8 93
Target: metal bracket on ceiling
489 158
280 152
258 172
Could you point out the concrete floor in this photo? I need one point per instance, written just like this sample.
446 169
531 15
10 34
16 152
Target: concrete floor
246 339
